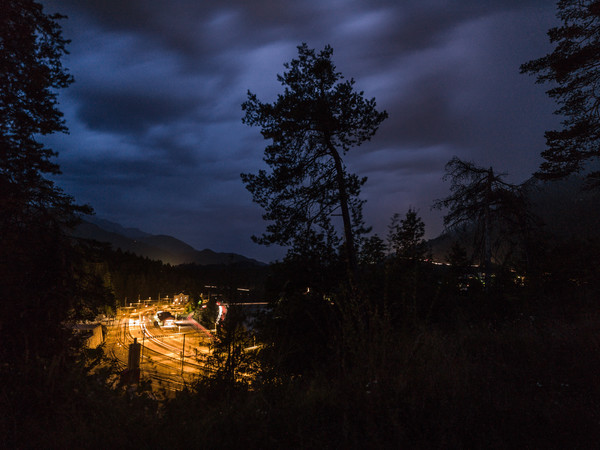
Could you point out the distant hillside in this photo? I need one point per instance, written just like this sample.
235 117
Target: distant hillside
113 227
163 248
566 209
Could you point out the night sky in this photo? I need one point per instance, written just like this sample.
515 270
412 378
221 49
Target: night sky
156 140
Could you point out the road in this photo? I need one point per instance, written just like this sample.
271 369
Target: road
171 357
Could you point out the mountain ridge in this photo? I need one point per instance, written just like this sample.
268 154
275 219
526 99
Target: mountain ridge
165 248
565 208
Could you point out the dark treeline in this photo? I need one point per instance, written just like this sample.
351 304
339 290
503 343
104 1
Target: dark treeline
130 277
367 342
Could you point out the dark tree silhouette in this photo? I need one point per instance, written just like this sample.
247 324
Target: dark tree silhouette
481 199
209 314
37 261
230 358
31 46
573 69
404 274
372 251
405 236
459 265
316 120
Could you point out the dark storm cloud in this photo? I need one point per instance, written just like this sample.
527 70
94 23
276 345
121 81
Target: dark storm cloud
191 27
156 138
467 94
425 114
130 112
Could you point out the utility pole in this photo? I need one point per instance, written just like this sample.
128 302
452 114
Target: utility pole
182 354
142 355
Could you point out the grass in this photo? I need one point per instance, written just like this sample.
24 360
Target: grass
530 381
525 383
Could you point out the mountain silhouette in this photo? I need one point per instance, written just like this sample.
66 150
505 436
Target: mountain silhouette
565 208
163 248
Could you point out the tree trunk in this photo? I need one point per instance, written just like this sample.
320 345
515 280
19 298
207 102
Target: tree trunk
349 237
487 249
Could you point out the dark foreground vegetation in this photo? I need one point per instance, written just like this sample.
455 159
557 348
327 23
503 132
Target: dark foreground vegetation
482 370
366 342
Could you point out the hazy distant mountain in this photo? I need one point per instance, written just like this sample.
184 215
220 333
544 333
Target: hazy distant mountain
157 247
113 227
565 207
